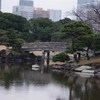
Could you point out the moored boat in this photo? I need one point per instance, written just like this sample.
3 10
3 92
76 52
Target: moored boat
81 68
35 67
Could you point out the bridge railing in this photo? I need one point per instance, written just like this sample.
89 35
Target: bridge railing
46 45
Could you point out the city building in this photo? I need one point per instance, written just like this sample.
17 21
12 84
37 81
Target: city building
0 5
89 15
25 9
39 12
81 3
85 1
26 3
55 15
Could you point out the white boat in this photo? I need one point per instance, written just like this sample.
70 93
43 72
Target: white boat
35 67
81 68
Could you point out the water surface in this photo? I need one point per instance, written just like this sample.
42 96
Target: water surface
18 82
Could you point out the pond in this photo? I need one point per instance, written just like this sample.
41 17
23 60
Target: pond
20 82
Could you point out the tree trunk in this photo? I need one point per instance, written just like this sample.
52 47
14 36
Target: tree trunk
79 56
75 53
75 57
87 54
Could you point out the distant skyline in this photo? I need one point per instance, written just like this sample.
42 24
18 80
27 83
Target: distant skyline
64 5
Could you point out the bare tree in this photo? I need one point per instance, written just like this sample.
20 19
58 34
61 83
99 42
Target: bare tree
89 14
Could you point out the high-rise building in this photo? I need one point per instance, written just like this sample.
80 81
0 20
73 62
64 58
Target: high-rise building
0 5
81 3
25 9
26 3
39 12
89 14
85 1
55 15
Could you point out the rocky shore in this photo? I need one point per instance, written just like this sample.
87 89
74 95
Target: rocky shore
18 58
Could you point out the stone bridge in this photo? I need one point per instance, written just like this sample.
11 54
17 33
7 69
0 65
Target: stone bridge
46 46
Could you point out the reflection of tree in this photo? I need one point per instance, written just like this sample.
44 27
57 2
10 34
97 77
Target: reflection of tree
88 89
8 76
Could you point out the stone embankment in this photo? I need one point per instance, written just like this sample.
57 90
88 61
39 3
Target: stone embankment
9 57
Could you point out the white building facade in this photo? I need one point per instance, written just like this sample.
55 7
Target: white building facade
25 9
55 15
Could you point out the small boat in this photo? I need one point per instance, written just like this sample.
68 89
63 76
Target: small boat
58 67
81 68
35 67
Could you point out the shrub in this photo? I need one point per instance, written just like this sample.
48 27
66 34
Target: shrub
14 52
62 57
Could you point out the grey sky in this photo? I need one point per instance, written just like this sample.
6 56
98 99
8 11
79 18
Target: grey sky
64 5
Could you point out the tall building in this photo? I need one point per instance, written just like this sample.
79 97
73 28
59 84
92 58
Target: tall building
81 3
85 1
39 12
0 5
55 15
26 3
25 9
89 14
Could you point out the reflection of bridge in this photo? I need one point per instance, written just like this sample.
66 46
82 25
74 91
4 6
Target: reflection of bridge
45 47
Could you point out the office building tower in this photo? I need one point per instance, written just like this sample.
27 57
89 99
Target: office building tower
39 12
81 3
26 3
55 15
25 9
85 1
89 14
0 5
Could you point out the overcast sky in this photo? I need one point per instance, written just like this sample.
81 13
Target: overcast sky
64 5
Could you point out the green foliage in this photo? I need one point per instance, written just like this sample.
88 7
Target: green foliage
27 36
14 68
86 41
65 21
14 52
3 36
78 32
45 34
55 37
11 21
76 29
69 50
35 29
13 39
96 42
41 28
62 57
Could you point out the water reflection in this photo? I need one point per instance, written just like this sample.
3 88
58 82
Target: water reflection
20 82
80 88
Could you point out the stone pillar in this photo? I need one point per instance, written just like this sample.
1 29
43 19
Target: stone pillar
48 57
43 56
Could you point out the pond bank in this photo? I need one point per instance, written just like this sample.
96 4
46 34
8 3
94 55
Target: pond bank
87 62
